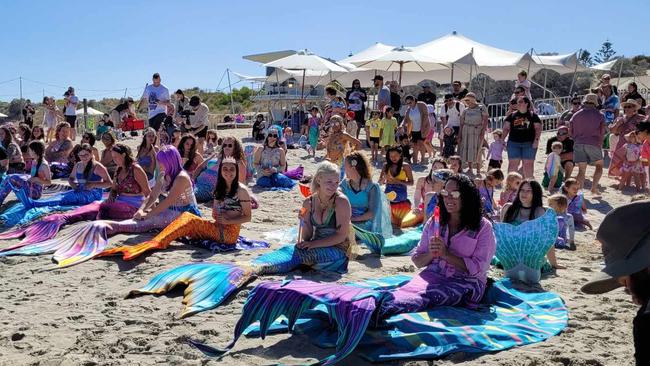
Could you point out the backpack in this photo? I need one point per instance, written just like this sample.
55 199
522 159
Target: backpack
456 104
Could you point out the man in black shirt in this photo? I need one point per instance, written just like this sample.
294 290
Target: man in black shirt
427 96
458 91
28 113
625 242
566 156
396 100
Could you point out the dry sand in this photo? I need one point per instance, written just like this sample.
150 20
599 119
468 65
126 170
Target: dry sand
77 316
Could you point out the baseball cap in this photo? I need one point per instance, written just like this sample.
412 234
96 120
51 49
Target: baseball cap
195 101
625 238
590 98
378 77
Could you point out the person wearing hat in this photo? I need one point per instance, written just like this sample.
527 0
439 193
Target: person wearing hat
121 111
383 92
427 96
625 124
70 110
566 156
624 236
458 91
587 128
198 125
633 93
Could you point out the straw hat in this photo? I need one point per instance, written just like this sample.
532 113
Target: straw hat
631 102
590 98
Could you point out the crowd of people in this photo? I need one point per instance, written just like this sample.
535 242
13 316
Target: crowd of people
180 162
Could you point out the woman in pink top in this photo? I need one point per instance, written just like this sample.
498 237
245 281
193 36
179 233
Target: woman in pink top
457 260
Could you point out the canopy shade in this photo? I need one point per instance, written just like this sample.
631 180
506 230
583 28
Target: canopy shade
2 115
91 112
305 60
269 56
250 78
563 64
605 66
370 53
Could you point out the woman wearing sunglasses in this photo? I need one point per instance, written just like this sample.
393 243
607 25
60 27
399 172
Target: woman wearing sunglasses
623 125
270 162
205 175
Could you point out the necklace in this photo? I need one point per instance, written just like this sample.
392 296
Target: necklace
353 183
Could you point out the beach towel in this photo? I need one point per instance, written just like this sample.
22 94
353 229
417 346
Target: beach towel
340 317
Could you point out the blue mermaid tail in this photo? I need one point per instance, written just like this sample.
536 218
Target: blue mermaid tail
208 284
19 215
350 307
522 249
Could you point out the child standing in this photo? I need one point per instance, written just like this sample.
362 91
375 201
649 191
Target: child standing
448 142
632 167
374 132
288 138
577 207
643 135
513 180
388 128
313 130
553 174
495 151
351 126
566 234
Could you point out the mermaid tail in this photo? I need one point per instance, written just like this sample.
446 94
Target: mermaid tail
187 224
412 219
398 211
49 226
349 307
374 241
208 285
289 257
19 215
522 249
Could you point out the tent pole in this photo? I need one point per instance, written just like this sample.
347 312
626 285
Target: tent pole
232 104
401 65
620 71
484 89
529 61
575 71
451 81
470 72
545 76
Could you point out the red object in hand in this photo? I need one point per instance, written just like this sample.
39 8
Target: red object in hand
436 222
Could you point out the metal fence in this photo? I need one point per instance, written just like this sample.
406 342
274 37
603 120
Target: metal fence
549 110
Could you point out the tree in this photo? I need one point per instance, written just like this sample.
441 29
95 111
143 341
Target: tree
586 58
605 53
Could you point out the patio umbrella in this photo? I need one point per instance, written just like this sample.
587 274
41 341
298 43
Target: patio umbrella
305 60
403 59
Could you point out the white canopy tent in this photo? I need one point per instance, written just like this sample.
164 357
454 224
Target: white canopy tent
91 112
563 64
2 115
605 66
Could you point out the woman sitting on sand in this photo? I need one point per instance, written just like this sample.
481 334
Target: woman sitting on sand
270 162
29 185
370 209
108 139
130 187
232 208
57 151
205 175
147 150
189 153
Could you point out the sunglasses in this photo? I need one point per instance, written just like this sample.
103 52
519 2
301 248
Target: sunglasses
562 133
576 103
628 107
455 194
228 145
273 135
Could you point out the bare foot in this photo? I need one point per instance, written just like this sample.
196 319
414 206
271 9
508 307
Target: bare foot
558 266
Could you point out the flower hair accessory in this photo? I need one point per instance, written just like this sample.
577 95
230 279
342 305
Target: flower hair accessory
353 162
229 160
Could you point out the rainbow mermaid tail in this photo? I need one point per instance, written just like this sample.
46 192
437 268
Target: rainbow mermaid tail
399 210
208 285
374 241
187 224
18 215
350 307
49 226
522 249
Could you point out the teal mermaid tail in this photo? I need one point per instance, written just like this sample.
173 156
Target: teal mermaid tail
350 307
18 215
522 249
374 241
289 257
208 285
403 243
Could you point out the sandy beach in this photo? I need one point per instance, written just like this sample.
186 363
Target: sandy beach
78 315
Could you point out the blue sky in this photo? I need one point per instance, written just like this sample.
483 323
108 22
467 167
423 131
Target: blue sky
119 44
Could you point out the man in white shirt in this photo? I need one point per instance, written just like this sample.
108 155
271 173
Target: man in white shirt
70 110
450 113
198 119
157 97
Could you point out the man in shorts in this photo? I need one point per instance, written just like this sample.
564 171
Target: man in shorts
587 128
156 96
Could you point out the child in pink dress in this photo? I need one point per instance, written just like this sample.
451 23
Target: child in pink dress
632 169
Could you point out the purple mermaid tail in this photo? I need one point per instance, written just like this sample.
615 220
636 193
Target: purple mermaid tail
48 227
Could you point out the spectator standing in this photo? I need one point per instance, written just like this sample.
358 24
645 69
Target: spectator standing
28 113
396 100
473 124
198 125
633 93
524 129
70 110
122 110
416 122
427 96
383 93
566 115
587 128
450 113
459 92
356 99
156 95
566 156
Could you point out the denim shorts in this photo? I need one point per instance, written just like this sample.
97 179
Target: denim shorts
521 151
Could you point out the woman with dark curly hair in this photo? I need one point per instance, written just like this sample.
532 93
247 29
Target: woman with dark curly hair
189 153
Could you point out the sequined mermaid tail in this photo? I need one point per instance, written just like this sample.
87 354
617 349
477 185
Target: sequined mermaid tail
412 219
289 258
19 215
69 198
186 224
49 226
16 183
374 241
208 284
522 249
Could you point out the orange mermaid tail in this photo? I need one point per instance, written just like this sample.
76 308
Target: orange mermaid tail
186 224
398 211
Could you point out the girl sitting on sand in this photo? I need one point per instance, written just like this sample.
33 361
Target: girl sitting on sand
205 175
509 192
577 206
147 150
189 153
423 186
29 185
486 187
212 143
370 209
397 175
232 208
270 162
